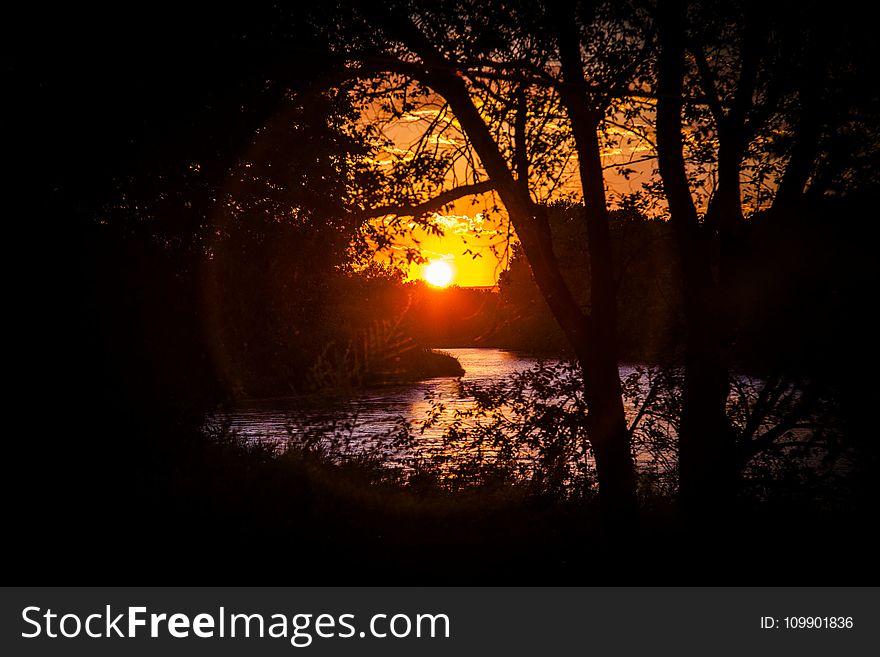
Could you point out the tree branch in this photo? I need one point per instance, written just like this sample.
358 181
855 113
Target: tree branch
521 154
431 205
753 43
708 85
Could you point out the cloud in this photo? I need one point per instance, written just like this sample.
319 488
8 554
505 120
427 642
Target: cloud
462 224
435 255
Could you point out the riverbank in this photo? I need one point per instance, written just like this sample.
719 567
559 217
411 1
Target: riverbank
417 365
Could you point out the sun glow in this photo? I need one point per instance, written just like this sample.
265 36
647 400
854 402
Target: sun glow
438 273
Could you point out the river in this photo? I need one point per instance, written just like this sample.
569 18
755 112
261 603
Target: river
369 420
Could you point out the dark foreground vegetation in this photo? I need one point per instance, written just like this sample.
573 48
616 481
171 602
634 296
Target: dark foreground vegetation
199 237
194 511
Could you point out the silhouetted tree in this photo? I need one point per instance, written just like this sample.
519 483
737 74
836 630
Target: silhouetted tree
753 99
514 89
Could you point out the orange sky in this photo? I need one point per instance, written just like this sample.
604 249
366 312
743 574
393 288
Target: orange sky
470 233
466 227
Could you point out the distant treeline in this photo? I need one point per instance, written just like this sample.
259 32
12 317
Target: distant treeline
803 313
281 311
802 305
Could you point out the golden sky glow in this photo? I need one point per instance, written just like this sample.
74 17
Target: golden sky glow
475 240
477 244
473 243
476 235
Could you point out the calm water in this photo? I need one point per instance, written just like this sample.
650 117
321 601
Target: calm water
368 420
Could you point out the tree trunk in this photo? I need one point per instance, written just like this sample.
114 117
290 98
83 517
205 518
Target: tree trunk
608 432
707 442
609 437
705 437
707 447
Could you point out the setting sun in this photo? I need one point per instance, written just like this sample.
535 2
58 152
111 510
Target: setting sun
438 273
